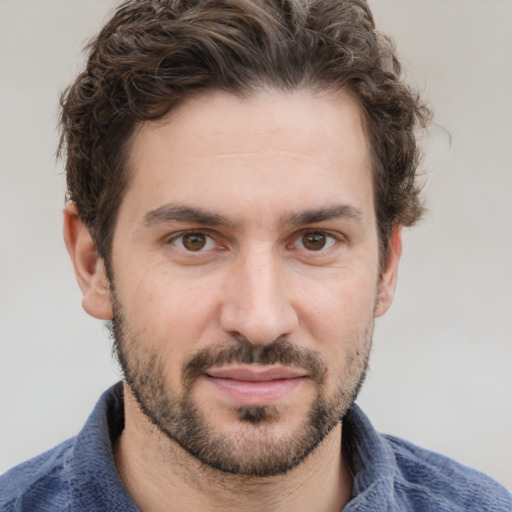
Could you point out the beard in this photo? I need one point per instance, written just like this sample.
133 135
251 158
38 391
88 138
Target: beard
256 449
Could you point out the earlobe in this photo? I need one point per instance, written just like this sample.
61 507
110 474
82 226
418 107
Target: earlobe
389 275
88 265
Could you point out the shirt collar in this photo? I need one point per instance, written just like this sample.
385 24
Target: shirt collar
371 460
95 483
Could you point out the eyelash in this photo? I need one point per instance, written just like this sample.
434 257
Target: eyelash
177 236
331 239
312 231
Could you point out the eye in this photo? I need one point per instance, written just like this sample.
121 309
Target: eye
316 241
193 241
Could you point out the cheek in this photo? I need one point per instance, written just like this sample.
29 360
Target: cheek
170 314
340 307
339 323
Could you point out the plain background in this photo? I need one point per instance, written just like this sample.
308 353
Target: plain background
441 369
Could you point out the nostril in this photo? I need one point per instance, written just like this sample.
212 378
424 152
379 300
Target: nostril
261 326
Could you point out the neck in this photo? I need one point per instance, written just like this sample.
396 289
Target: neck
161 476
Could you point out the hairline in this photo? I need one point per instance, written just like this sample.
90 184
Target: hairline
249 90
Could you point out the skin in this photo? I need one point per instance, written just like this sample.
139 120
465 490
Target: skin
259 163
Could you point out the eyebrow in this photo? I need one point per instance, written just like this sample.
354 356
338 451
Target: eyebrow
342 211
189 214
166 214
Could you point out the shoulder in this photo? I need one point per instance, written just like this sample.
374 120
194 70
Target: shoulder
424 476
40 484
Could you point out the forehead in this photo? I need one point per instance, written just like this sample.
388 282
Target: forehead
283 151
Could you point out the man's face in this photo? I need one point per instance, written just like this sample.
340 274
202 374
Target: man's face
246 274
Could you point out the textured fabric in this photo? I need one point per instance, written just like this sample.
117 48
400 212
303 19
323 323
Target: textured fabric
78 475
390 474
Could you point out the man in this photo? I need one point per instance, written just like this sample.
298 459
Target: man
238 177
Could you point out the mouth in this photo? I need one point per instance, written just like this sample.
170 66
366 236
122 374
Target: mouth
255 385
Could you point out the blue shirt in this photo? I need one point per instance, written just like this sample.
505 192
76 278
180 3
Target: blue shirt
390 474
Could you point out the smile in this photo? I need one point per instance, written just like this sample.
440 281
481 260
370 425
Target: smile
255 387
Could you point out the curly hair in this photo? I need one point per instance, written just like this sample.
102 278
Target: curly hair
153 54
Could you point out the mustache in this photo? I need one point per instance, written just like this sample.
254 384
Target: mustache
280 351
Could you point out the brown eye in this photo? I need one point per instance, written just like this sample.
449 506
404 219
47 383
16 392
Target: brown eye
194 241
314 241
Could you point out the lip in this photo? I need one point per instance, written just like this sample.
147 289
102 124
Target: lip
255 373
255 386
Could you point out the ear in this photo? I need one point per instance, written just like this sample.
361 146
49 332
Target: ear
89 266
389 275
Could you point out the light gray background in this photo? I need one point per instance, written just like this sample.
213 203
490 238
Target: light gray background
441 373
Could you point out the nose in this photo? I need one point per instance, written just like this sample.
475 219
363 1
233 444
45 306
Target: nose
256 303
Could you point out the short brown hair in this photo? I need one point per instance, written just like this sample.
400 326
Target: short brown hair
153 54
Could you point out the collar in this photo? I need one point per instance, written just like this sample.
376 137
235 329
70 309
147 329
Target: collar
95 483
371 460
